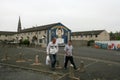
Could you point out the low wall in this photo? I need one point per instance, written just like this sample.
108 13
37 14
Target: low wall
78 43
111 45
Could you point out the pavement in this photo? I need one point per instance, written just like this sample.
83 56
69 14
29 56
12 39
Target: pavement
99 64
12 73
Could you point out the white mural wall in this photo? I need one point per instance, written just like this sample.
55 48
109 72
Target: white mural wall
113 45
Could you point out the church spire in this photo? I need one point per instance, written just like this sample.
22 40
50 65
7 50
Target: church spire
19 25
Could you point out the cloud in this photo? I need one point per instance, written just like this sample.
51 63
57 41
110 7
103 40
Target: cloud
76 14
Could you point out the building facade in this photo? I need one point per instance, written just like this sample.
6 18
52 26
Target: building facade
6 36
97 35
39 35
42 35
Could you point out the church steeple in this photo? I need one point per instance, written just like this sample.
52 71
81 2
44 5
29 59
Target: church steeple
19 25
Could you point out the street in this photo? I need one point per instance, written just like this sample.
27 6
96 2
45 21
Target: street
99 64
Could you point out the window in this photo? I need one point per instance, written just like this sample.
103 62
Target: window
72 36
5 35
17 38
40 40
76 36
28 37
35 32
45 31
39 32
81 35
91 35
96 35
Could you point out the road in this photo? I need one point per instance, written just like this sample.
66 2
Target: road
100 64
98 53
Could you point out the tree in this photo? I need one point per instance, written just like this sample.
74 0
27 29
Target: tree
115 36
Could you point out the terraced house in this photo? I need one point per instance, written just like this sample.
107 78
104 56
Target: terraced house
39 35
6 35
42 35
97 35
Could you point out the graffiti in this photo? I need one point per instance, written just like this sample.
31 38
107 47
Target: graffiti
111 45
101 45
118 46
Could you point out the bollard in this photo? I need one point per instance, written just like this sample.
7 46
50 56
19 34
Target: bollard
20 56
5 58
82 67
36 60
21 59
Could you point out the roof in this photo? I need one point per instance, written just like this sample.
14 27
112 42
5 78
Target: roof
38 28
7 33
94 32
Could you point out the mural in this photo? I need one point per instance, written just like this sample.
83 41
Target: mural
111 45
61 34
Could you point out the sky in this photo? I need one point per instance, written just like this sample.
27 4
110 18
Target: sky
77 15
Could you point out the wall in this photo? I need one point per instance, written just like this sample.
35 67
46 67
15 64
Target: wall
111 45
104 36
61 33
6 37
101 37
78 43
38 34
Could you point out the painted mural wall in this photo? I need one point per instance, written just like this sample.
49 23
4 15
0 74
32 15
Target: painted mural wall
61 33
111 45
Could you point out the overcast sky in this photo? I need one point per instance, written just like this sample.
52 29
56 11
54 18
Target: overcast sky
78 15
